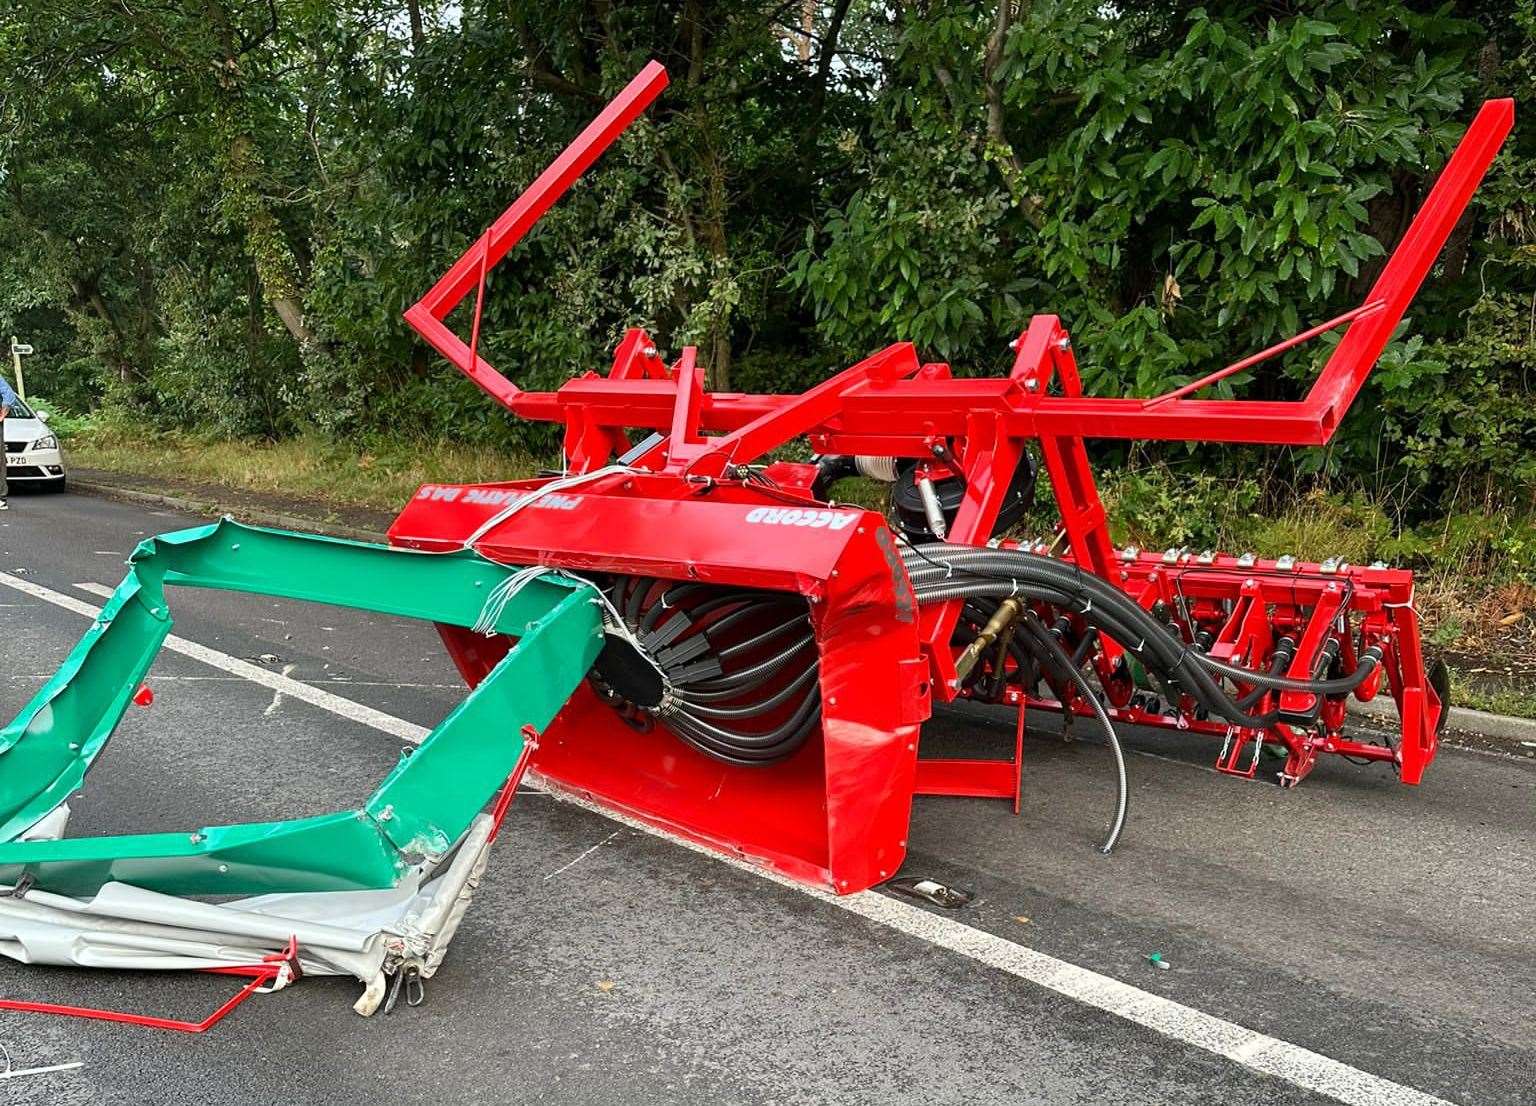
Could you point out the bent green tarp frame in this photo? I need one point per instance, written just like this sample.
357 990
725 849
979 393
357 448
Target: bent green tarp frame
420 810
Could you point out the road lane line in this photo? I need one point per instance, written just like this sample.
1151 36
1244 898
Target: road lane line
1256 1051
294 689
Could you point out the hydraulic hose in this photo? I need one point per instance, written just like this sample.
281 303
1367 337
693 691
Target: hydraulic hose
1340 686
1050 648
939 572
1285 649
715 665
983 561
752 710
739 748
756 674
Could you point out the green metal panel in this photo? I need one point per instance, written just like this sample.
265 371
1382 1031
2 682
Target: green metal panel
46 750
331 852
423 806
433 793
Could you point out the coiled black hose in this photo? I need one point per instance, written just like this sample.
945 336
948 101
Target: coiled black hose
732 672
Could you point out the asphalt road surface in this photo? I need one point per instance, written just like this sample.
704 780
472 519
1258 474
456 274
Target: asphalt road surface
1382 939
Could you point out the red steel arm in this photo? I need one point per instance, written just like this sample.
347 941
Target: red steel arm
427 316
796 416
928 408
1313 420
1399 282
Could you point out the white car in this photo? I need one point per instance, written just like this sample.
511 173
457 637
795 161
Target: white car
32 454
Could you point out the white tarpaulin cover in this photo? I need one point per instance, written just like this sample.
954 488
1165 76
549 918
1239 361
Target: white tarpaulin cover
358 933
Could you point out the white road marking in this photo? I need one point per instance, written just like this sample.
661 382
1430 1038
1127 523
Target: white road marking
294 689
1259 1052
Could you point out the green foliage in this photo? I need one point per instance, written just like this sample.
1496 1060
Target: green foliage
213 214
1157 506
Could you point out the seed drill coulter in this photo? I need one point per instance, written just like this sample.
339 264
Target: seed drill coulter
680 629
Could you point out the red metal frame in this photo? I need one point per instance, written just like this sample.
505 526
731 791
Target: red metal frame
836 813
267 972
940 405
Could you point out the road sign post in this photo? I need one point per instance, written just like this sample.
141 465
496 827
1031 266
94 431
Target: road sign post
18 351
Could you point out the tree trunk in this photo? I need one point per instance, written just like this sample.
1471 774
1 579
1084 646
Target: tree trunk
720 360
418 29
114 351
1013 169
273 258
807 29
1460 243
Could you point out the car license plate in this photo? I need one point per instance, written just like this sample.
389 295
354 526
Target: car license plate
15 460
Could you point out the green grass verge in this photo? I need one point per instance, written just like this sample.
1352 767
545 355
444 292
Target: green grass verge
1517 702
380 475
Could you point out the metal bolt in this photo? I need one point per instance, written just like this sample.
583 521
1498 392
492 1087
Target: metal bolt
235 546
1031 384
387 813
1064 343
223 867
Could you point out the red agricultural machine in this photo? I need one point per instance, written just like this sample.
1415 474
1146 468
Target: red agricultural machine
780 651
677 630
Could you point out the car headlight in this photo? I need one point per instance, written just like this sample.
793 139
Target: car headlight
47 441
